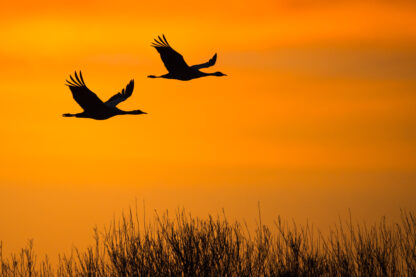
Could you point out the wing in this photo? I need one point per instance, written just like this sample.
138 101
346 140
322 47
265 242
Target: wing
173 61
121 96
87 99
211 62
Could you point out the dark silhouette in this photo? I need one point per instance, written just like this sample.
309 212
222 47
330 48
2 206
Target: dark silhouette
93 106
176 65
184 245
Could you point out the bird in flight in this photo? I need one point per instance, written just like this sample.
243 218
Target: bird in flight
92 105
176 65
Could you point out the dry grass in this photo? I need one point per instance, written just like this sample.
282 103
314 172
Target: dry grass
189 246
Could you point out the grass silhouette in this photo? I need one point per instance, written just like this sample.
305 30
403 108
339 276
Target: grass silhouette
184 245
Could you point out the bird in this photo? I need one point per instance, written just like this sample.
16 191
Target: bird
176 65
92 105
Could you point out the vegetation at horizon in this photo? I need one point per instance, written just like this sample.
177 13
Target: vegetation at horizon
184 245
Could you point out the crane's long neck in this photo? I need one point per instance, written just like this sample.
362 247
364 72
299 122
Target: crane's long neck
218 74
210 74
203 74
132 112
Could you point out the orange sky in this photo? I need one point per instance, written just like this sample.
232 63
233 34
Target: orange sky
316 116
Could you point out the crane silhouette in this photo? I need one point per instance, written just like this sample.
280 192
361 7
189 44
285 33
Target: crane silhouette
176 65
92 105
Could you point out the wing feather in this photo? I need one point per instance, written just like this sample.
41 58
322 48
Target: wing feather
211 62
173 61
87 99
167 43
121 96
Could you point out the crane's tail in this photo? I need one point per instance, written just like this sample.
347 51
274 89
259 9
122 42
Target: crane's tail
68 115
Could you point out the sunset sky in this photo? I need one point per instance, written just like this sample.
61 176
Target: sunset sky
316 116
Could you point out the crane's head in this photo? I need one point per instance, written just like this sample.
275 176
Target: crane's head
219 74
137 112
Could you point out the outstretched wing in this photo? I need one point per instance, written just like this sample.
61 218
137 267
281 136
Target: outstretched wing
87 99
173 61
121 96
211 62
